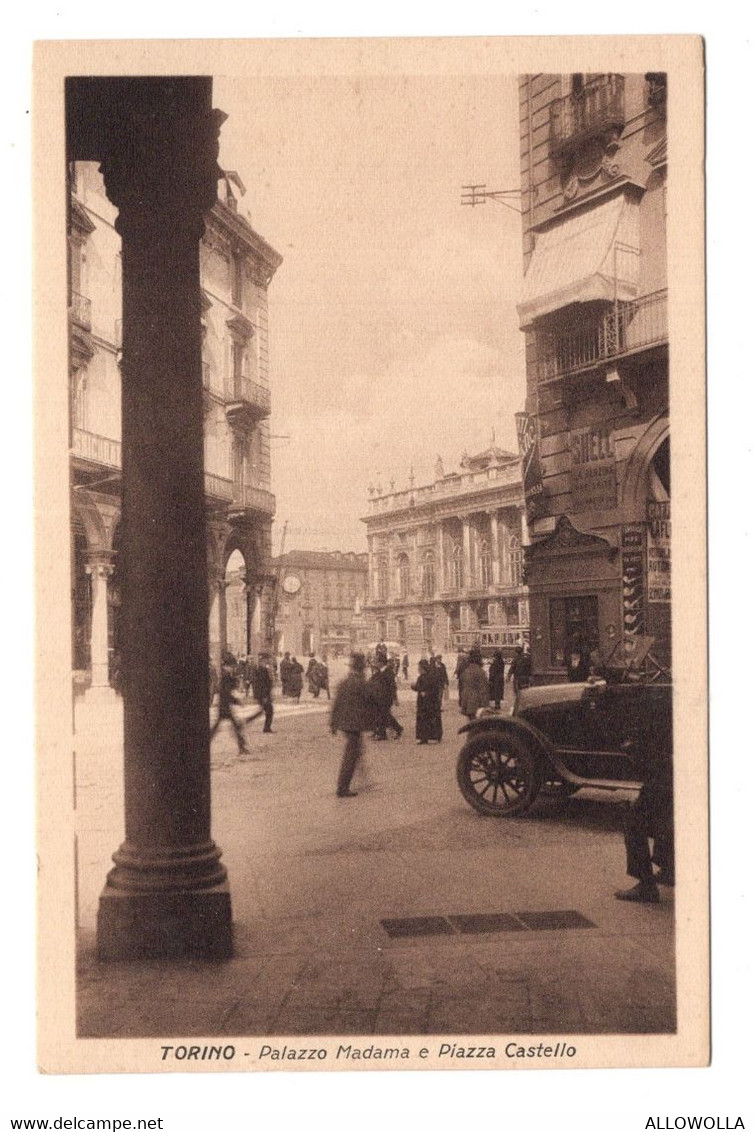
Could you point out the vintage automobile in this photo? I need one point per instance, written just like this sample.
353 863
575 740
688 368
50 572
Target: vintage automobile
604 733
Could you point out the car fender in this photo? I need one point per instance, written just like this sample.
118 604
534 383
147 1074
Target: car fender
539 744
509 724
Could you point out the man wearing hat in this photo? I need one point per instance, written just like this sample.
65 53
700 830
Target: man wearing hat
383 685
354 711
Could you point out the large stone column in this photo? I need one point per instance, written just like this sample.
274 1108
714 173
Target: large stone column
99 567
167 895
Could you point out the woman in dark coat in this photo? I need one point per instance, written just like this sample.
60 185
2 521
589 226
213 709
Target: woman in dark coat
429 692
295 678
474 690
495 678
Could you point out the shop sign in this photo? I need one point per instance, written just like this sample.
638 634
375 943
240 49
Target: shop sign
632 580
593 469
532 473
659 550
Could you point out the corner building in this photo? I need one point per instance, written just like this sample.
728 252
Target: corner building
320 595
595 435
236 267
445 559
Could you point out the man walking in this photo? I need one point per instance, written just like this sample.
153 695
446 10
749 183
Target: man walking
354 711
262 690
226 699
383 687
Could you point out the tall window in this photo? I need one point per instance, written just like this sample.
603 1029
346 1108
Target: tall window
79 399
401 630
404 580
239 460
382 579
428 574
237 280
457 566
239 368
486 563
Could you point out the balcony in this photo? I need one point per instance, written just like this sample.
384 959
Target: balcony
246 403
93 449
246 498
80 310
218 488
594 111
617 332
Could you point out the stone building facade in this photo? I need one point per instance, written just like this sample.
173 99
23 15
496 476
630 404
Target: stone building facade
446 558
320 598
595 435
236 266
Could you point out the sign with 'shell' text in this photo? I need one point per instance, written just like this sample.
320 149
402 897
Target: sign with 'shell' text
593 469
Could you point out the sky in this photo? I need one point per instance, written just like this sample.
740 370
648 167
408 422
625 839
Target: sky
393 331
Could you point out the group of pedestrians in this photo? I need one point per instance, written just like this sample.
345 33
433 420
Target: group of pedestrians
250 675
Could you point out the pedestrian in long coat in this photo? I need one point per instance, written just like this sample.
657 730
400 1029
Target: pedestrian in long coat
261 680
496 677
520 669
354 711
474 689
442 672
383 686
429 691
295 678
285 674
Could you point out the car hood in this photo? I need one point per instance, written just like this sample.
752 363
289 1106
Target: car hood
543 694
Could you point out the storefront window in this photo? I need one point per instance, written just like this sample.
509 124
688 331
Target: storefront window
572 620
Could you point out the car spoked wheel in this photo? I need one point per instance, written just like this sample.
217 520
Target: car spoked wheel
498 775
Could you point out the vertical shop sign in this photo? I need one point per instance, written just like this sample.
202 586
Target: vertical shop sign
632 581
532 472
659 550
593 469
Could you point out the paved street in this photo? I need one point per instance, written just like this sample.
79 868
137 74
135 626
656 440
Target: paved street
313 876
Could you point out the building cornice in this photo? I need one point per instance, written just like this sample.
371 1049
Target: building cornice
241 234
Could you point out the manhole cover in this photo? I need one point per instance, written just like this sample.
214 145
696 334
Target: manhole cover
418 925
553 921
486 922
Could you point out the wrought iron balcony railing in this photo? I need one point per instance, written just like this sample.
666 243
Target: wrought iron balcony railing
242 389
595 108
253 498
618 331
218 487
80 309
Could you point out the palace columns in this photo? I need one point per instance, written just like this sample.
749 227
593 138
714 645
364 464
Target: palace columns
467 581
99 567
157 142
495 548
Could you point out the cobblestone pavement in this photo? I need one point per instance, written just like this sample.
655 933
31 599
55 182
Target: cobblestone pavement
313 876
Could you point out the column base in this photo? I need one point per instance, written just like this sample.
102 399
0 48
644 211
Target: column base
190 924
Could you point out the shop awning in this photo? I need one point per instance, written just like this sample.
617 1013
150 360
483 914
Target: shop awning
583 259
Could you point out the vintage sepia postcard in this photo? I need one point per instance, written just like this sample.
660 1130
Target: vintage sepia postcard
372 670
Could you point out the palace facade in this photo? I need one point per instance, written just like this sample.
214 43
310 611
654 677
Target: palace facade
236 266
595 435
446 559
